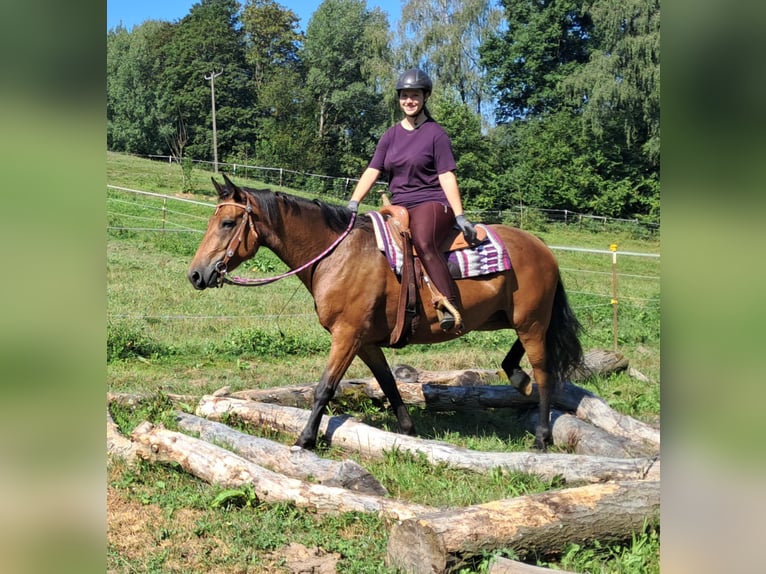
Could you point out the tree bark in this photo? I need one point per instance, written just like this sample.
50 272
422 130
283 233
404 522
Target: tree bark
581 437
351 435
117 444
217 465
540 523
293 462
589 407
410 381
505 566
445 397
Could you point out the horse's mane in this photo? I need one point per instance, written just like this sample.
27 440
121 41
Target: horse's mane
336 217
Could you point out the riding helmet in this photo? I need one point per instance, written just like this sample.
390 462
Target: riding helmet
414 79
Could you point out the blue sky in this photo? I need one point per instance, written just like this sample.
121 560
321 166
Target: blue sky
134 12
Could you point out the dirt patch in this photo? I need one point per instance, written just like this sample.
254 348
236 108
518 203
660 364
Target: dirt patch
299 559
140 536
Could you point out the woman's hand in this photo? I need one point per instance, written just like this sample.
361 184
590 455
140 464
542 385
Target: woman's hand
469 232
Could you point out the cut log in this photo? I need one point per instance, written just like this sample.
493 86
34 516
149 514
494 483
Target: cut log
582 437
293 462
505 566
117 444
410 382
594 409
217 465
351 435
540 523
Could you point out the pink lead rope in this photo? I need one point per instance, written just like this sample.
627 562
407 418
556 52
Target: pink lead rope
244 282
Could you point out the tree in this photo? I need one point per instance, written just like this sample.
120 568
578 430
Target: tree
544 43
273 52
131 101
583 77
273 39
621 81
208 39
443 37
346 53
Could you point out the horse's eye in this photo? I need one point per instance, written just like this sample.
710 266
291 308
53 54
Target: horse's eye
228 224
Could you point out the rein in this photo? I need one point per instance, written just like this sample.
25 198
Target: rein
247 221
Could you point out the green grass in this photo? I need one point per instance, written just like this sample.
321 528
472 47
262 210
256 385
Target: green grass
163 336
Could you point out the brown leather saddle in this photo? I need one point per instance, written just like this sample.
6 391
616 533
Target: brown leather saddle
398 220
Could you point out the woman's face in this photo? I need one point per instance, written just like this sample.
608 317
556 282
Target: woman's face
411 101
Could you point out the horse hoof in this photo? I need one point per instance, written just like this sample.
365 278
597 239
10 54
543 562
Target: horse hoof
521 381
305 444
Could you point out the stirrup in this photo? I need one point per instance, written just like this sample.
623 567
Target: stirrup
448 315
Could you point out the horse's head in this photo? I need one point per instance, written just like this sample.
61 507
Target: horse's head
230 238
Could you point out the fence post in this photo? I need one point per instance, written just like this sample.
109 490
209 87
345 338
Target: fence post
613 249
164 211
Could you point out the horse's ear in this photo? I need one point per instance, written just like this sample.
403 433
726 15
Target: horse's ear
233 189
223 191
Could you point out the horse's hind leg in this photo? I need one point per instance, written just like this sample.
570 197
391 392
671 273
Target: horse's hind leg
374 358
534 343
512 367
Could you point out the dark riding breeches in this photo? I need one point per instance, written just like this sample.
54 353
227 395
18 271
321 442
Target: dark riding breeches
429 225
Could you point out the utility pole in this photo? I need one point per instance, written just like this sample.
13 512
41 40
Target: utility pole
212 76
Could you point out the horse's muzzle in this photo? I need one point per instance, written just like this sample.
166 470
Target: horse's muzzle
204 278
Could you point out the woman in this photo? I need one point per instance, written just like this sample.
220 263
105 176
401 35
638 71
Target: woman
416 156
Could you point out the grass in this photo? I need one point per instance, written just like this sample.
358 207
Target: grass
165 337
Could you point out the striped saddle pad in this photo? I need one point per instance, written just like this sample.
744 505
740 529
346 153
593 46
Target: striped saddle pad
489 256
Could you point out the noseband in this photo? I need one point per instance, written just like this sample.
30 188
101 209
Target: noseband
231 249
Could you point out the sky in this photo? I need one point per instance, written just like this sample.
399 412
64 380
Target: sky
134 12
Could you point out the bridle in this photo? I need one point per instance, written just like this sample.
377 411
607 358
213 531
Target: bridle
231 249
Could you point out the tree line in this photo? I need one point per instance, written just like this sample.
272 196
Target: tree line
551 104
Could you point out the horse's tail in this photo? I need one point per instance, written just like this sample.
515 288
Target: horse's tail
562 344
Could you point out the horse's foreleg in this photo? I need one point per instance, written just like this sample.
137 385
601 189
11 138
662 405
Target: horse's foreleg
512 367
341 355
374 358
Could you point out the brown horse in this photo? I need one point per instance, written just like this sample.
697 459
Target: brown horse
355 293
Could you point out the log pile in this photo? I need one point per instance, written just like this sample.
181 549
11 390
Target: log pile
611 470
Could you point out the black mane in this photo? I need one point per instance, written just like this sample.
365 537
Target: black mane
336 217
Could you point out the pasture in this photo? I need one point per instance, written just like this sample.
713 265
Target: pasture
165 337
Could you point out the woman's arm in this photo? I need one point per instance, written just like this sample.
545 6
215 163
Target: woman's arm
368 179
448 182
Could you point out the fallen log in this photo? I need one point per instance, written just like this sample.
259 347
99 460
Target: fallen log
117 444
570 397
293 462
502 565
410 382
217 465
535 524
581 437
348 434
590 407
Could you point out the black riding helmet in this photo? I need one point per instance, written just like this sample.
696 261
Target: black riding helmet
414 79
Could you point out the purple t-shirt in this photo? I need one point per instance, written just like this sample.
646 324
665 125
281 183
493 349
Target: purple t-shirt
413 160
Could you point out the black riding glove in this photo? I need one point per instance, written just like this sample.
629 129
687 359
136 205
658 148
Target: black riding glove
353 206
469 232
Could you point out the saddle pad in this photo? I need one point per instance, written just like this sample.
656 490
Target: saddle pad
489 256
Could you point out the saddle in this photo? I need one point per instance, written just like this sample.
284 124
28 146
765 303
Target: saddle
398 221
